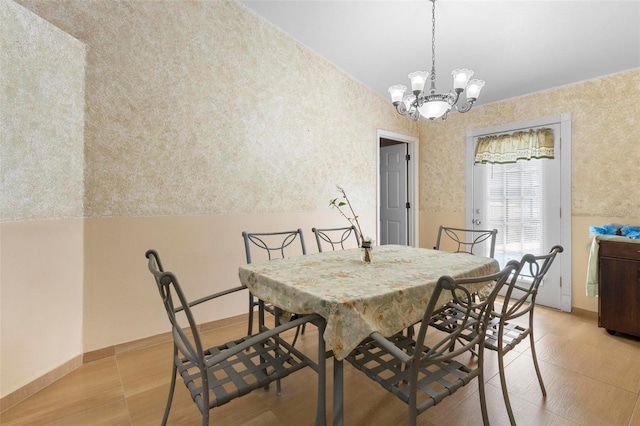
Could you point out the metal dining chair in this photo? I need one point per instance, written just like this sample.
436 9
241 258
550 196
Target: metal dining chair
422 376
270 245
336 238
502 333
217 375
461 240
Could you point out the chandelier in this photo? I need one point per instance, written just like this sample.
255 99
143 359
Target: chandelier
434 105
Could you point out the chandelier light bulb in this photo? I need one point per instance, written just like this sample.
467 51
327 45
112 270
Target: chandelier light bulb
397 92
461 77
418 79
473 89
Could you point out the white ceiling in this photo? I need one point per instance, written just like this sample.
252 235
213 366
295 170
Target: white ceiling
516 46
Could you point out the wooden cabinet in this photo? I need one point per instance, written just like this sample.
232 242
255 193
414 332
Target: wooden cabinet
619 287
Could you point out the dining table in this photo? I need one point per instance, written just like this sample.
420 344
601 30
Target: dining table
357 298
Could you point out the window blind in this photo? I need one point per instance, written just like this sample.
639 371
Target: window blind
515 201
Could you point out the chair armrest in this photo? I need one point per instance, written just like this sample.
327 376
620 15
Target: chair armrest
212 296
260 337
390 347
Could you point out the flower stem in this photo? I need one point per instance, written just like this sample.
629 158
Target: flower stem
355 217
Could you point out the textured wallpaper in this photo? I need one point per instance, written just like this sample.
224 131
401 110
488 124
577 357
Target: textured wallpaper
204 108
605 145
42 116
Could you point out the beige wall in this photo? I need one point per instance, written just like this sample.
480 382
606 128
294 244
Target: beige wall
203 251
42 276
41 229
199 108
605 156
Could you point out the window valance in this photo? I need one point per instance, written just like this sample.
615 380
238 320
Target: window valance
509 148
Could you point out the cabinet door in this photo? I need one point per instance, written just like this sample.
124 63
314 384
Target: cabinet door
619 297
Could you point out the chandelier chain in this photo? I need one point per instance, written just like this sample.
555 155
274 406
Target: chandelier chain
433 40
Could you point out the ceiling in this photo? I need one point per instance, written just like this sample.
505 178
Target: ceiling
516 46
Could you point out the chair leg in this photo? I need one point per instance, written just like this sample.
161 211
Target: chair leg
298 332
251 305
205 397
174 373
261 326
503 382
481 390
535 363
412 402
321 407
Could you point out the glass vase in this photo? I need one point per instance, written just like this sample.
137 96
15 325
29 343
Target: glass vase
366 250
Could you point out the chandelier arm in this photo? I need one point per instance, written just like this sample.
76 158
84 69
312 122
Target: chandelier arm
464 106
402 108
453 96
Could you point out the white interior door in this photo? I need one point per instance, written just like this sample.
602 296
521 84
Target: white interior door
522 201
393 194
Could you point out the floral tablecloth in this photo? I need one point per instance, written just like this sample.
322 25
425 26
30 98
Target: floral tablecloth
357 298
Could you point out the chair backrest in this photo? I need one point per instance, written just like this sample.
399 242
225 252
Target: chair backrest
273 245
520 296
170 291
336 237
467 240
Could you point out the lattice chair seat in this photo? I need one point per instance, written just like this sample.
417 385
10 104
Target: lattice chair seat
451 317
512 334
435 382
239 367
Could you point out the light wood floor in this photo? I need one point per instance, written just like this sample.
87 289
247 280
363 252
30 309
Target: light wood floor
592 378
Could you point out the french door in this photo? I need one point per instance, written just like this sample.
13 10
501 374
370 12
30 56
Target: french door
522 200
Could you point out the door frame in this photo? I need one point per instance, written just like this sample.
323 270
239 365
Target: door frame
565 188
412 183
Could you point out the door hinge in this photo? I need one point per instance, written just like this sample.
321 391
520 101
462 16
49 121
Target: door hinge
407 157
408 205
560 282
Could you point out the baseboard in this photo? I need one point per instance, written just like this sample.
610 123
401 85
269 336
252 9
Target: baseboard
166 337
584 313
40 383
